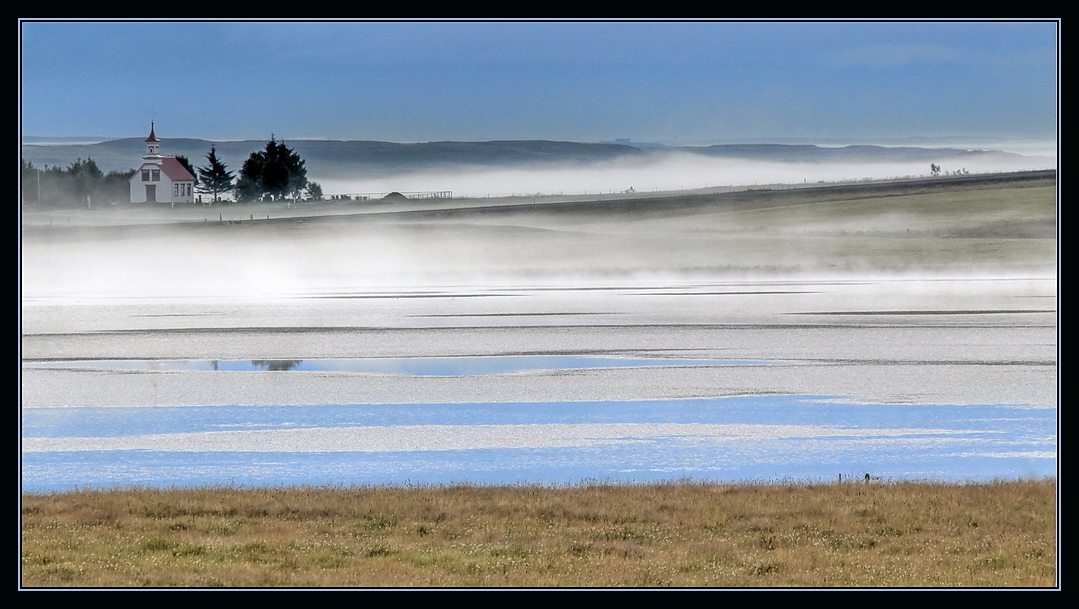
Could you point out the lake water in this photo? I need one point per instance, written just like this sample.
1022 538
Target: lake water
739 437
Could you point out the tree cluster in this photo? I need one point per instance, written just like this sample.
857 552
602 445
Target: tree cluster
273 174
80 184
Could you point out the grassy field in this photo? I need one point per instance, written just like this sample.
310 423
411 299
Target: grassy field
1000 534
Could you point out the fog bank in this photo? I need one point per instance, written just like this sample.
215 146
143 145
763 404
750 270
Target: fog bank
676 171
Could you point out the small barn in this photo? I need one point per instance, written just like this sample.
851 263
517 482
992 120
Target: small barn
160 178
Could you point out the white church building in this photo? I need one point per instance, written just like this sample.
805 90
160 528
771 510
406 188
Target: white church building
160 178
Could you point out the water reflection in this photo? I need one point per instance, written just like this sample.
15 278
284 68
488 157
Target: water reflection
275 365
413 366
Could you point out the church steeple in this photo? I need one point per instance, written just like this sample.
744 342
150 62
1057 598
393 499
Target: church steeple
152 143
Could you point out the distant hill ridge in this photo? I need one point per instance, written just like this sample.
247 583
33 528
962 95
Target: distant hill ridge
362 157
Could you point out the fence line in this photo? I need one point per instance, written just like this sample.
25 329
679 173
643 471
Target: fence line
374 196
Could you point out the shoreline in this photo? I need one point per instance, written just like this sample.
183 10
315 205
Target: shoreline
841 480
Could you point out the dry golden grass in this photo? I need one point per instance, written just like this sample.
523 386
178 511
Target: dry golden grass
1000 534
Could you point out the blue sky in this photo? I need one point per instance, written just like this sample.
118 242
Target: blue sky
671 82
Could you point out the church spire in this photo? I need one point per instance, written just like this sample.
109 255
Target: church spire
152 141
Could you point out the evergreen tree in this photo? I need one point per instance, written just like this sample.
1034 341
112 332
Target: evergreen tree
247 189
275 173
216 178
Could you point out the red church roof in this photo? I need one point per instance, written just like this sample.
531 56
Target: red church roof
175 171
